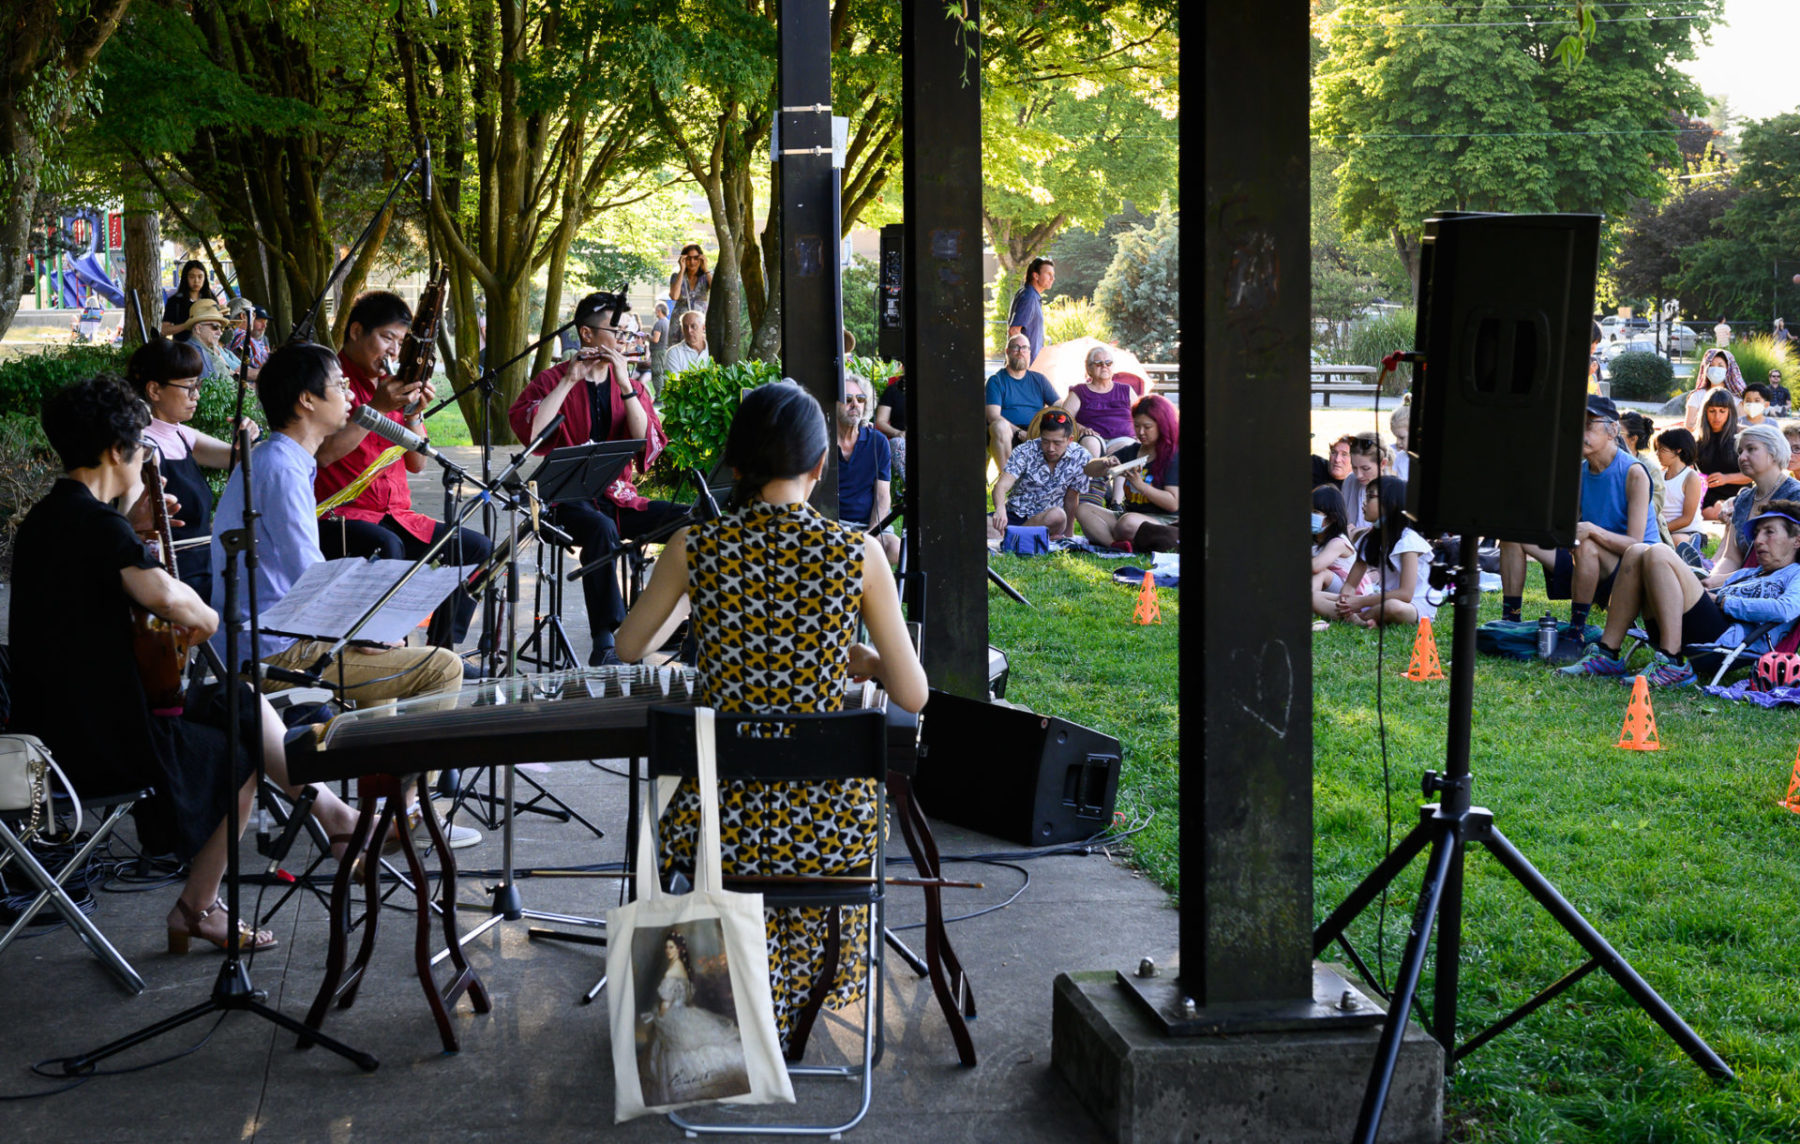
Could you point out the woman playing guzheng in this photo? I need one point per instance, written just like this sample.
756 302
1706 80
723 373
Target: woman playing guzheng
775 589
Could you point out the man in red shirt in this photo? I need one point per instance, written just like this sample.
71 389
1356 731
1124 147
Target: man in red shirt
600 400
381 519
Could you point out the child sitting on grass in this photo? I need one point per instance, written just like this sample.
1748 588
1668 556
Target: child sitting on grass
1333 553
1389 552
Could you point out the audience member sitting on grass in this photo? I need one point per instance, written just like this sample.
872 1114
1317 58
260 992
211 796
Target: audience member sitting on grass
1100 406
1679 611
1147 522
1757 400
1368 457
1400 425
1635 430
890 417
1778 393
1615 514
1014 396
1715 452
1333 554
1763 456
1043 478
1388 554
1791 430
1335 466
1683 487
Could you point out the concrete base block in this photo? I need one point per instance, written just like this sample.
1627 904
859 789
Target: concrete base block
1148 1088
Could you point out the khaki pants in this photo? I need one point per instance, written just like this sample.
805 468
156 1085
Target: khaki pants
396 673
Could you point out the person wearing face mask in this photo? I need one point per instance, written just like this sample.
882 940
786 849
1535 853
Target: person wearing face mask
1332 552
1757 404
1704 384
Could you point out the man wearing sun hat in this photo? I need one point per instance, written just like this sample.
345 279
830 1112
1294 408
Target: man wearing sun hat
205 331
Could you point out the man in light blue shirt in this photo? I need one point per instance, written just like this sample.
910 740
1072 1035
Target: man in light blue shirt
306 399
1027 313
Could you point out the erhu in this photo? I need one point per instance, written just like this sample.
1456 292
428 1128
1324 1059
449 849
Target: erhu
418 354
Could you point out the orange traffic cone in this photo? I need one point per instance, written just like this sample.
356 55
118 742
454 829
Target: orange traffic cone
1792 801
1639 732
1148 610
1424 657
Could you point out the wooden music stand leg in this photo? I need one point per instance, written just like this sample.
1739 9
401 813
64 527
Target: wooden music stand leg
463 977
948 980
338 913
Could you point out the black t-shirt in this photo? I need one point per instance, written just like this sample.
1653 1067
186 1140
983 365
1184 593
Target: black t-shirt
600 409
1171 477
894 397
175 310
74 673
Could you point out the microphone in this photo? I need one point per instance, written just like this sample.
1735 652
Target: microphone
392 431
703 495
425 153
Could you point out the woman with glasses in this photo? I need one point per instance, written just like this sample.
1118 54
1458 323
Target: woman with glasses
689 285
166 374
1101 406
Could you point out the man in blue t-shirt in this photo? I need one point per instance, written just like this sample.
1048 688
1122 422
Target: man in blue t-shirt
1615 514
1027 313
1014 396
865 467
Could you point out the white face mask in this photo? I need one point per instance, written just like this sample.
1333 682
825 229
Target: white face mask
1755 408
1715 373
1318 521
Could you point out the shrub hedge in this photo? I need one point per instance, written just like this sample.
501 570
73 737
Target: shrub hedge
1639 375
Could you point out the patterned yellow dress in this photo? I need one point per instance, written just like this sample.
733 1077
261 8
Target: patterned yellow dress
776 595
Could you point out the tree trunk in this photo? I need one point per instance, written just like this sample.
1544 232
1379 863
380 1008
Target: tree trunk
19 147
1407 247
765 342
143 259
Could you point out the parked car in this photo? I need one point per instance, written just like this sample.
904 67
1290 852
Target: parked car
1642 343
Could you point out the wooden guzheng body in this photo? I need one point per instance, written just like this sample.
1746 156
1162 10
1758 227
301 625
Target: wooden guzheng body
601 713
589 713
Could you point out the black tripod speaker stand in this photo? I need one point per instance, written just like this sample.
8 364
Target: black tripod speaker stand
1447 827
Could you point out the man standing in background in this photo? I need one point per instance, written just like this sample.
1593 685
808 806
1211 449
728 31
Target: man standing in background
1027 314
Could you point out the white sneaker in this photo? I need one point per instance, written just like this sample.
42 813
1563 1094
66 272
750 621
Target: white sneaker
462 837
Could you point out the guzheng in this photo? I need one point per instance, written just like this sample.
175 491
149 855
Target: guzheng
589 713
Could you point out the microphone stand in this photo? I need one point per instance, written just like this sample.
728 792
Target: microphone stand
486 497
232 989
485 382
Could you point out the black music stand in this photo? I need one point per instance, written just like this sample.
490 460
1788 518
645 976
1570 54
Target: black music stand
582 472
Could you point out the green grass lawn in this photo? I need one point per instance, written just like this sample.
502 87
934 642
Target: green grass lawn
1077 655
1681 858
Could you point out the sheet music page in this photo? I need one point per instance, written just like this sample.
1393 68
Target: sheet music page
331 596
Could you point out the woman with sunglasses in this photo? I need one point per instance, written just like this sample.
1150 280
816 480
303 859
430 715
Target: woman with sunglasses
166 374
690 285
205 331
1101 406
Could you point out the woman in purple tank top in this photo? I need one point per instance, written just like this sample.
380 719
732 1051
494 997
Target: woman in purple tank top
1100 406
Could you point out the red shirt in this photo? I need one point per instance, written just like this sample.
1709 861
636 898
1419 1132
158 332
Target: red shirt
388 494
577 427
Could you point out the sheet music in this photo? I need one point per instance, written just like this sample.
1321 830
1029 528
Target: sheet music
332 595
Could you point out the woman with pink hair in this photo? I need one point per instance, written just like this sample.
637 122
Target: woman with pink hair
1149 521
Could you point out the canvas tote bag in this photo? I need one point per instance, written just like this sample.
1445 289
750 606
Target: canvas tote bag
687 976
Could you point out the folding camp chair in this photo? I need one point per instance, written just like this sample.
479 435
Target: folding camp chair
16 836
1703 657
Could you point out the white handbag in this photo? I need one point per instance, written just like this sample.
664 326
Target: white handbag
687 976
25 769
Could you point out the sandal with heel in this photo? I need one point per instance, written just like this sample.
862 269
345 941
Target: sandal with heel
249 940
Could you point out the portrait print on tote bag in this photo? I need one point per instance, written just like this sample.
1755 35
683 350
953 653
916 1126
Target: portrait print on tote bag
688 1043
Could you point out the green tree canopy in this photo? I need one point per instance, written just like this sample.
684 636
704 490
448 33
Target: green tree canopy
1466 106
1745 266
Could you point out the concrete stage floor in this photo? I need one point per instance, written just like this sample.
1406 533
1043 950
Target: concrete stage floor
539 1066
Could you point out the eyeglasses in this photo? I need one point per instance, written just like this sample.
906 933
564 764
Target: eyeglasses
1100 361
178 385
849 397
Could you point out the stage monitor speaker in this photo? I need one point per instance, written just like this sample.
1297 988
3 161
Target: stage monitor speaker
890 321
1031 779
1506 306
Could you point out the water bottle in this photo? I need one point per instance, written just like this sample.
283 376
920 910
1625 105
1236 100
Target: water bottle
1546 636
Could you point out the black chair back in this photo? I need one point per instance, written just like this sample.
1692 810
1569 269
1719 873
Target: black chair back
774 747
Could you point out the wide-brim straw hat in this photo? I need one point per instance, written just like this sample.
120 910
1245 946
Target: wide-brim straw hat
203 310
